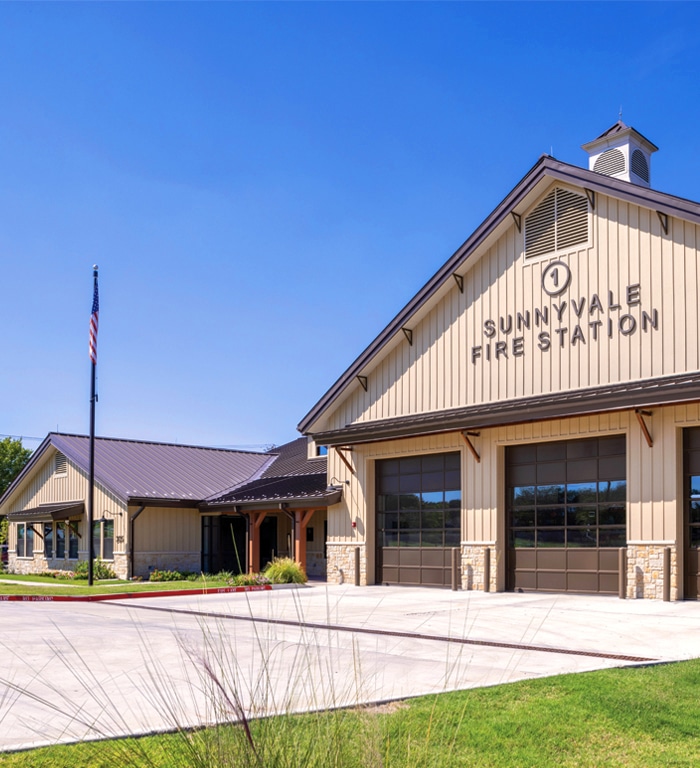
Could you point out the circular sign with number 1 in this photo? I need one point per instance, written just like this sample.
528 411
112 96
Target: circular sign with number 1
556 278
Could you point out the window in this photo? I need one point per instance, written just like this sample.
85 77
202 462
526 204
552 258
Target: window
103 539
419 501
72 541
569 494
48 541
60 541
25 540
558 223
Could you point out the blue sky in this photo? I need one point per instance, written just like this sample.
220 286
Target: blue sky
265 185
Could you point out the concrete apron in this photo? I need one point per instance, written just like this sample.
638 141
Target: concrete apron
75 671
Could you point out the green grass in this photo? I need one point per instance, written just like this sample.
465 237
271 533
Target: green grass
79 586
634 717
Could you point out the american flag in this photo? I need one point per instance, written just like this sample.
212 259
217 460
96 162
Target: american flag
93 324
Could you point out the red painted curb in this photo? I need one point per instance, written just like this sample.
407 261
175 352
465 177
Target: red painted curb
130 595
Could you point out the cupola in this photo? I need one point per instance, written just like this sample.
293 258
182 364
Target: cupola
623 153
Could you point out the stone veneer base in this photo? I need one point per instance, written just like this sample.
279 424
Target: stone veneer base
473 560
340 568
645 571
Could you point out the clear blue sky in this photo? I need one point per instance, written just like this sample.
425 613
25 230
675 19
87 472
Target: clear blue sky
265 185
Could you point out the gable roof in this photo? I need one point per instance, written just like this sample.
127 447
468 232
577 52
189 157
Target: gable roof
140 471
292 477
545 170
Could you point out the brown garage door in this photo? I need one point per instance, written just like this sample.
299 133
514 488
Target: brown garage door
691 491
566 513
418 518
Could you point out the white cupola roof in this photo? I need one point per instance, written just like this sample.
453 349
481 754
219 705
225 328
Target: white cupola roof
623 153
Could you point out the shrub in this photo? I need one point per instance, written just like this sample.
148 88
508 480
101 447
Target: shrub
249 579
100 570
158 575
284 570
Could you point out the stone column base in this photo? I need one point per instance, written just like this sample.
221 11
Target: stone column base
473 561
340 568
645 571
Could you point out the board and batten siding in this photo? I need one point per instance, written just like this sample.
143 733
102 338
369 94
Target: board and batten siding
627 247
44 486
654 476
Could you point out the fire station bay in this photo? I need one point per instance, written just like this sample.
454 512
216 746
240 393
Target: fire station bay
531 419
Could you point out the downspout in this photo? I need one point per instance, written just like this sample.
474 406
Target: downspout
131 539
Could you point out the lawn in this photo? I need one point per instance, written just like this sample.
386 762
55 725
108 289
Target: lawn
644 716
52 586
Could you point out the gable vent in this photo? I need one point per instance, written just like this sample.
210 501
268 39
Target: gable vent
639 165
60 464
610 163
560 221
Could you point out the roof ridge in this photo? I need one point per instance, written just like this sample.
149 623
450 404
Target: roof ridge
162 443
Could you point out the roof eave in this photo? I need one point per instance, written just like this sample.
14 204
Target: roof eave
546 166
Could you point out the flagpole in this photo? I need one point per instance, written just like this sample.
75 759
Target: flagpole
93 399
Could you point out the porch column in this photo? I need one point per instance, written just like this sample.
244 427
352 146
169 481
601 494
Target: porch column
256 519
301 520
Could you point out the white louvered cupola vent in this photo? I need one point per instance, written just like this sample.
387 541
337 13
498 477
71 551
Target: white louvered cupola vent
559 222
60 464
610 163
639 165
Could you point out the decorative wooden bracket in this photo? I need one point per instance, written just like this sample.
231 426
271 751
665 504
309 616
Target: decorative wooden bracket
518 219
344 459
74 529
645 430
36 530
590 194
408 333
663 218
470 445
459 279
363 381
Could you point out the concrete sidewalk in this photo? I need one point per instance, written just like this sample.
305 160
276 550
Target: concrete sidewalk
139 666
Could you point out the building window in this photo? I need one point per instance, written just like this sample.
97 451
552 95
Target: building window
309 534
72 542
48 541
60 541
103 539
558 223
25 540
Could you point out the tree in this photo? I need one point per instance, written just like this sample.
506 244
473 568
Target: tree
13 457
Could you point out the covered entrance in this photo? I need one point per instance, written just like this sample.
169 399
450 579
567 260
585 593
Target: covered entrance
566 515
691 517
419 503
224 543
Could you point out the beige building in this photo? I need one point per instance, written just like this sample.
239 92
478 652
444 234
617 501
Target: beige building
531 419
167 507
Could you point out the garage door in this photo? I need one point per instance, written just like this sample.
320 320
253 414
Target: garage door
566 515
418 518
691 491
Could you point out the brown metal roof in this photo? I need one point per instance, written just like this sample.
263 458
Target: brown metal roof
48 513
149 471
291 478
545 168
615 397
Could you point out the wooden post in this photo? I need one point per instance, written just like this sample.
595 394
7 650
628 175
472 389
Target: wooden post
301 520
254 541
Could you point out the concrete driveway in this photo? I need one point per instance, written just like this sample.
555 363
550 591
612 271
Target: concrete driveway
74 671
